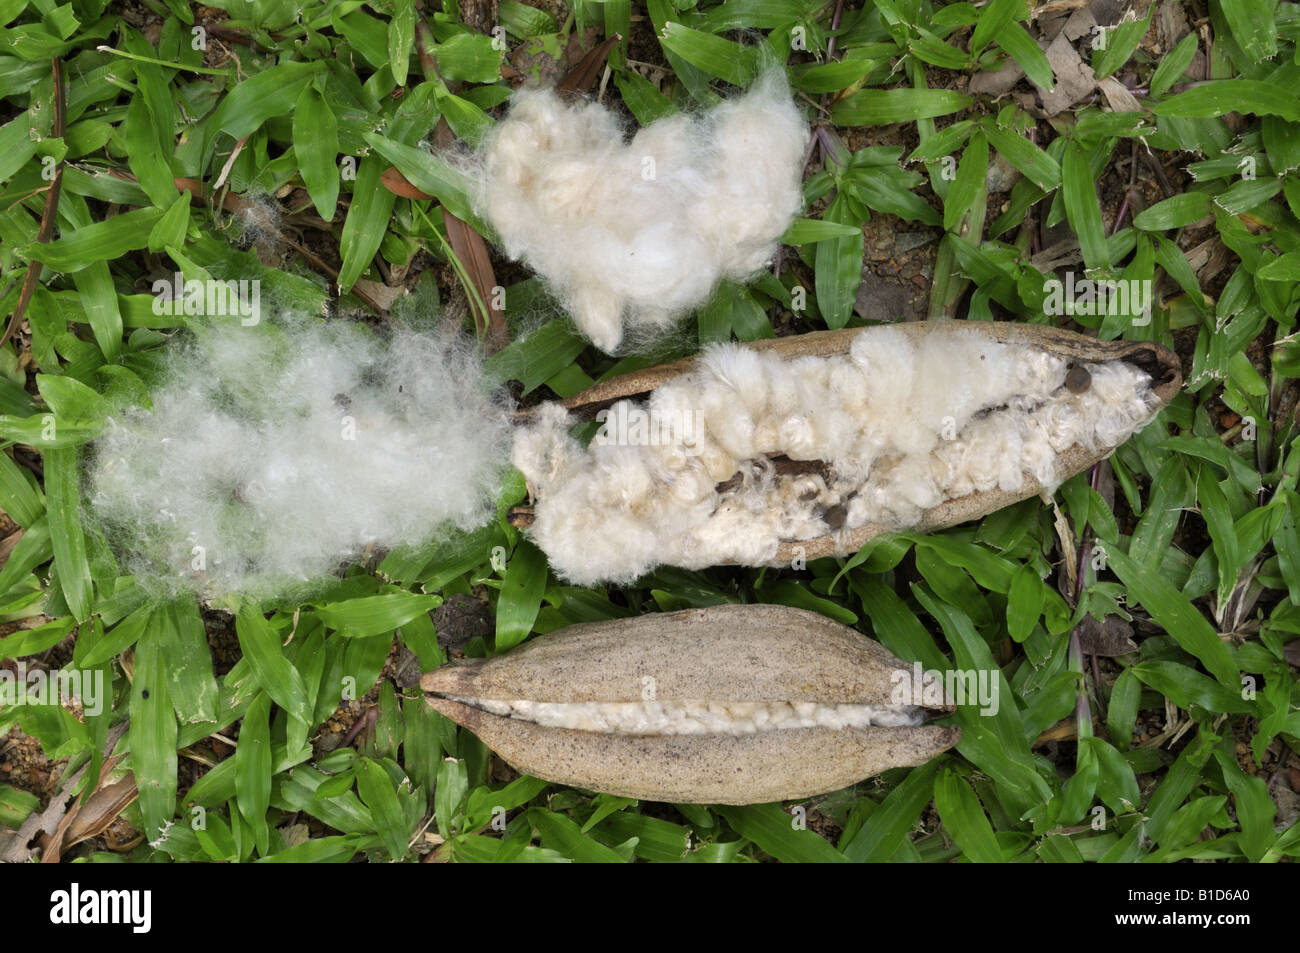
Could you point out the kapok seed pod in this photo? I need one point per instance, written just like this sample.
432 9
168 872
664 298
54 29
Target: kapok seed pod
797 452
725 705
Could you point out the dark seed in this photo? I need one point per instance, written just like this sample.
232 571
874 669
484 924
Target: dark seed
834 516
1078 379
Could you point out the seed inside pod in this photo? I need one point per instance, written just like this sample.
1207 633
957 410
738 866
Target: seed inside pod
1078 379
909 427
694 717
731 704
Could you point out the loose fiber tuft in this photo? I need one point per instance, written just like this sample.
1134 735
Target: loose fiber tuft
690 477
639 232
273 456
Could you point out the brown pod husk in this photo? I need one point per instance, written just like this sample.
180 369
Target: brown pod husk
1155 360
739 657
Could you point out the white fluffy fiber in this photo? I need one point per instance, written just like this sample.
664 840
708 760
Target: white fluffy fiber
903 424
696 717
272 457
640 231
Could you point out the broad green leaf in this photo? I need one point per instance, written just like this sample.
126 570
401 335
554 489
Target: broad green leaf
970 180
169 231
367 221
787 592
779 833
653 839
560 833
1025 51
887 828
188 660
882 107
145 154
15 806
1287 544
153 736
316 145
105 240
521 595
642 98
117 639
469 58
99 300
1121 716
377 792
1025 601
523 21
895 625
993 740
1174 212
253 768
1173 65
830 77
838 266
31 641
19 496
1117 785
1077 793
1082 207
807 231
732 309
371 615
993 21
1189 821
1173 613
1251 22
1120 44
1037 165
216 839
1222 96
272 92
63 502
1223 533
1247 195
1254 807
466 120
1185 686
432 174
714 55
280 680
963 816
537 357
34 548
401 39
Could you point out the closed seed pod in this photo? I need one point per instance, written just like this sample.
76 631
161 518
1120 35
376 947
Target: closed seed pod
810 446
724 705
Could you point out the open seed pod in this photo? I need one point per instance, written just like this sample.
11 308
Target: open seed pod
810 446
725 705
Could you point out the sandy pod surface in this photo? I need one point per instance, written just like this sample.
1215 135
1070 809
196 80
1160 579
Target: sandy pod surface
810 446
724 705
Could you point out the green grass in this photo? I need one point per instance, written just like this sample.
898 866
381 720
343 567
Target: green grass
1195 518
